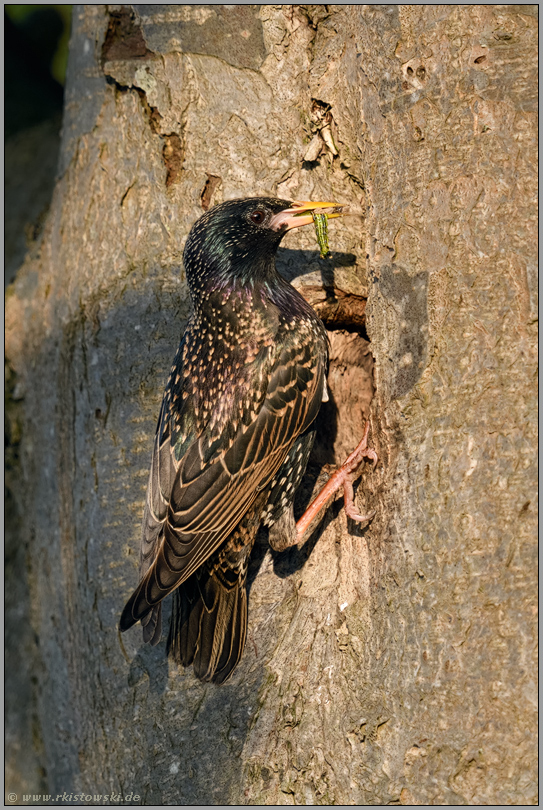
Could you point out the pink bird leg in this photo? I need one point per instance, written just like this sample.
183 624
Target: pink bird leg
341 478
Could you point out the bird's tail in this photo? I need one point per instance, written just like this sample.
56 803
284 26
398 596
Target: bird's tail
209 624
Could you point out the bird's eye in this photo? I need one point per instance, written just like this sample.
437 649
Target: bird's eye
258 217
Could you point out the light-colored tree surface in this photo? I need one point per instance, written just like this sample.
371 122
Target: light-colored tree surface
393 664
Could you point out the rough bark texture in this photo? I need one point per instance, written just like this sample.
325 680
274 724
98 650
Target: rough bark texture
389 665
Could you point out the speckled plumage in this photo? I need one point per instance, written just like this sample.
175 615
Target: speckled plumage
233 437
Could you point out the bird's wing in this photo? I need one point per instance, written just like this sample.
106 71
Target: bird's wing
161 478
210 492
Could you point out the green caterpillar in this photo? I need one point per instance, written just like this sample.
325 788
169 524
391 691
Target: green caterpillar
321 230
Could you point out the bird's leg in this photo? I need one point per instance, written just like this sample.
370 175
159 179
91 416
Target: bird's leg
341 478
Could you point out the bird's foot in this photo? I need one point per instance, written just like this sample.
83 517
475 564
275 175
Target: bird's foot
341 478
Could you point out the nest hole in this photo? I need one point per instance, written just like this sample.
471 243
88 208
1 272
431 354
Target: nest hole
341 420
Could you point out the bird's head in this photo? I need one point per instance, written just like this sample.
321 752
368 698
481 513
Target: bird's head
238 239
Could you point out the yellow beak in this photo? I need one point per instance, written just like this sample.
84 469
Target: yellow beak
301 213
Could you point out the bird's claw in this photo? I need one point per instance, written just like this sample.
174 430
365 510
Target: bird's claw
350 512
361 452
343 477
348 500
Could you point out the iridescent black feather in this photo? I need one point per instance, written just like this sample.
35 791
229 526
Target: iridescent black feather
233 436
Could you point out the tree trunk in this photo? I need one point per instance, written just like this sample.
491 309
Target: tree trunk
392 664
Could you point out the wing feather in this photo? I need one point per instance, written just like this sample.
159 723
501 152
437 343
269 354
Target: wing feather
194 504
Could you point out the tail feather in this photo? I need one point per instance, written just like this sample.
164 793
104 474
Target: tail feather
185 623
234 640
209 626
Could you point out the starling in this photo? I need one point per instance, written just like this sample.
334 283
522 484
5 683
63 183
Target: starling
234 433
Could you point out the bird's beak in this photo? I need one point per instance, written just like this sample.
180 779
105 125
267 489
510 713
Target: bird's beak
301 213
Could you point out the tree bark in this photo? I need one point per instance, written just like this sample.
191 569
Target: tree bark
392 664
